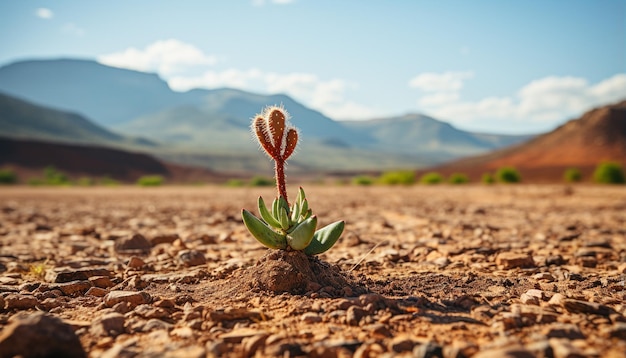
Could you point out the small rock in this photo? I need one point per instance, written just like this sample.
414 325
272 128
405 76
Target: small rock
164 239
556 300
556 260
136 243
311 317
131 297
40 335
509 260
182 332
101 281
96 292
110 324
19 302
529 300
76 275
578 306
191 258
135 262
354 315
402 344
74 288
564 330
378 329
252 344
155 324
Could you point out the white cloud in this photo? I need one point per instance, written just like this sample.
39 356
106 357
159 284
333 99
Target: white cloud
547 100
166 57
44 13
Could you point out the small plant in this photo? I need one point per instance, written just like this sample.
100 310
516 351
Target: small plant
487 178
362 180
7 176
572 175
286 227
609 173
458 178
151 180
431 178
52 176
403 177
261 181
235 183
508 175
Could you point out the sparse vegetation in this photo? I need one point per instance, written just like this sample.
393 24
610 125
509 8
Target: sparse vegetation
431 178
52 176
108 181
487 178
235 183
286 227
508 175
609 173
458 178
572 175
362 180
261 181
398 177
8 176
85 181
151 180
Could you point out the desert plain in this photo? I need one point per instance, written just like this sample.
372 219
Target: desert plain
430 271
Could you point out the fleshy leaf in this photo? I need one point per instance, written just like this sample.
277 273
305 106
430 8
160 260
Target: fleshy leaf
265 214
264 234
325 238
302 235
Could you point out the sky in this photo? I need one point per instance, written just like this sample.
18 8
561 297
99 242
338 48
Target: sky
493 66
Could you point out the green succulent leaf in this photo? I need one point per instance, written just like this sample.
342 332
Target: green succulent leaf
325 238
295 211
265 215
304 209
302 234
264 234
285 223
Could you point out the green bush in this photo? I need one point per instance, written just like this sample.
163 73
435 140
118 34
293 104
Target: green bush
52 176
458 178
261 181
431 178
403 177
508 175
235 183
362 180
609 173
151 180
8 176
487 178
572 175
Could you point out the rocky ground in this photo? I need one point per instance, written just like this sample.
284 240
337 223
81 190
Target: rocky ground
463 271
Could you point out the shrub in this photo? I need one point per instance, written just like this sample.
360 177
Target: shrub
572 175
508 175
85 181
488 178
403 177
7 176
235 183
431 178
151 180
609 173
52 176
458 178
261 181
362 180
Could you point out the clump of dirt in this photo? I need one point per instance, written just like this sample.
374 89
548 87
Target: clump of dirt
294 272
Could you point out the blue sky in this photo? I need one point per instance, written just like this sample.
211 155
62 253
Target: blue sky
493 66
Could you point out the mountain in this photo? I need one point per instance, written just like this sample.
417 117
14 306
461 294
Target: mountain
598 135
416 133
211 127
21 119
107 95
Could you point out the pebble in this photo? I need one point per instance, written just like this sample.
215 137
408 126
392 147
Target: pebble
110 324
133 298
135 262
578 306
130 244
69 275
402 344
40 335
101 281
155 324
253 344
191 258
96 292
74 288
509 260
311 317
19 302
354 315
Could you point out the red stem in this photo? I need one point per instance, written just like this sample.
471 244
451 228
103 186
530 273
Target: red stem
280 179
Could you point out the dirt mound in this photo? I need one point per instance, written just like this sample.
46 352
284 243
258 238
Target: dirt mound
292 271
598 135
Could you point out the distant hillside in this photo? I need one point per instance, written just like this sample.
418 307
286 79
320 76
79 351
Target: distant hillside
21 119
415 133
83 160
200 125
598 135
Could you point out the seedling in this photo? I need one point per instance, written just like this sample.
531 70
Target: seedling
283 226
